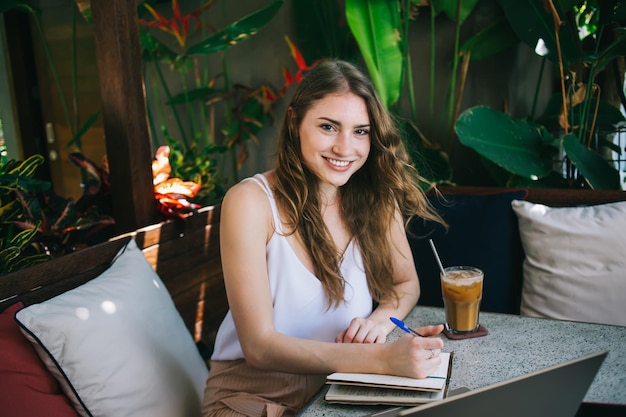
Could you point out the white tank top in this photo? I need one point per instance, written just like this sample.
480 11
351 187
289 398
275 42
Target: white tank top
300 303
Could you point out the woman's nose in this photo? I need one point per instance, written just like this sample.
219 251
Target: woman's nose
342 143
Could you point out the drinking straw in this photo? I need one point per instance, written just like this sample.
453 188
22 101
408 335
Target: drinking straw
432 245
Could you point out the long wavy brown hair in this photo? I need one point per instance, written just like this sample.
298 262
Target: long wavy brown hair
386 182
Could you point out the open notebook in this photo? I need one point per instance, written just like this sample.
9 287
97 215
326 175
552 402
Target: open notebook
354 388
556 391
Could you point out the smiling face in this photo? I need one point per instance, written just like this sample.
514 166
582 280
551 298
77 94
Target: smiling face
335 137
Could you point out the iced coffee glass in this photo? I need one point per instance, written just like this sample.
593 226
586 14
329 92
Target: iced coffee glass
462 289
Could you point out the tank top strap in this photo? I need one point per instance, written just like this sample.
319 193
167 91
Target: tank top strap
264 184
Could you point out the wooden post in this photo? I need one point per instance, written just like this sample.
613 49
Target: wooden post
118 53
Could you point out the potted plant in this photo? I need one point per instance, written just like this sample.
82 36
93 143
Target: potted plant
578 121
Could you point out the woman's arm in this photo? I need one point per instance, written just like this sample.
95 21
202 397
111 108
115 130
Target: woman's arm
245 227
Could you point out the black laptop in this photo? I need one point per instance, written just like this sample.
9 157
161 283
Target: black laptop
556 391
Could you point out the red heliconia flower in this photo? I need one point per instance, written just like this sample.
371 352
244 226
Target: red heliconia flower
290 79
179 24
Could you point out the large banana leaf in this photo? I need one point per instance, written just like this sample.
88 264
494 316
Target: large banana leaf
595 169
237 31
533 22
375 25
519 146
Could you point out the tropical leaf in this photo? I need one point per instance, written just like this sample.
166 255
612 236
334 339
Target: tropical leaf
249 122
237 31
9 166
9 210
595 169
27 168
533 23
20 182
24 237
518 146
375 25
198 94
7 258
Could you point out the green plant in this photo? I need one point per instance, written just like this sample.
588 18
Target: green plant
36 224
16 184
577 121
381 29
184 94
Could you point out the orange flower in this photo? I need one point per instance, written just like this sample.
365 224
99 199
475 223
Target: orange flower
179 24
172 193
161 168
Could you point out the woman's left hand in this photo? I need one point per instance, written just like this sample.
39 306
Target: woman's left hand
362 330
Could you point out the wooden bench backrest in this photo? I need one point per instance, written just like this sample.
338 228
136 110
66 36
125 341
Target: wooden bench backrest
185 254
549 197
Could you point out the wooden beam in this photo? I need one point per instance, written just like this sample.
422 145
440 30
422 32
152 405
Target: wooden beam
118 53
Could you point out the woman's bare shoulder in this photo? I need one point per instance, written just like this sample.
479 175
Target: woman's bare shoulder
244 193
246 207
247 202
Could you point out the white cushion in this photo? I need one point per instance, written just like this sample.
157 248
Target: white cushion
575 265
118 345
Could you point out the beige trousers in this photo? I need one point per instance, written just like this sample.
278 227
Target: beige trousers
234 390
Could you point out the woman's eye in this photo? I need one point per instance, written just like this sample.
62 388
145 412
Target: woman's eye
327 127
362 132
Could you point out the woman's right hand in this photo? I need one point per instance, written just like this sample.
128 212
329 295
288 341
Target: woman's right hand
414 356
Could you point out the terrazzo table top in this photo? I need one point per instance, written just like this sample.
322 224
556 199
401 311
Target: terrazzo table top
515 346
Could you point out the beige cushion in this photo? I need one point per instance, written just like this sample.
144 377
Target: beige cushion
575 265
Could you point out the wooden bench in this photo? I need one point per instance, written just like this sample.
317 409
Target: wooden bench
185 254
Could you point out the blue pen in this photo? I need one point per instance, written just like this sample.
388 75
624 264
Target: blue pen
403 326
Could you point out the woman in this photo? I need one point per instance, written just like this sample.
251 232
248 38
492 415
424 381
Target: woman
315 255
